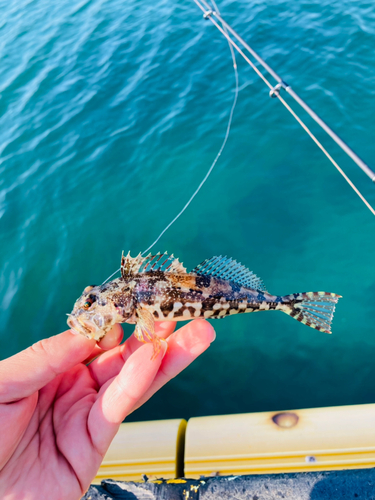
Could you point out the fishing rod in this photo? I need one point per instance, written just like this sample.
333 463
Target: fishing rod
209 14
274 92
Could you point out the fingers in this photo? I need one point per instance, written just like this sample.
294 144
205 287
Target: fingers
140 377
184 346
14 418
119 395
93 354
164 329
110 363
112 338
28 371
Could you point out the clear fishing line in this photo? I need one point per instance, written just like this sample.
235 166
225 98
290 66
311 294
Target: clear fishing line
218 154
213 163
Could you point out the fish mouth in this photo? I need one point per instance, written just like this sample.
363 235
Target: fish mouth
85 327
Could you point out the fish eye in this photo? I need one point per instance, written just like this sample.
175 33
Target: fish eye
89 302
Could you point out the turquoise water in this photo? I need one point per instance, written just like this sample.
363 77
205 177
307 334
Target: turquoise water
110 115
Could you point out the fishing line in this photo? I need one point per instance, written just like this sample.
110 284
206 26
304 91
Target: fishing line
274 92
217 156
213 163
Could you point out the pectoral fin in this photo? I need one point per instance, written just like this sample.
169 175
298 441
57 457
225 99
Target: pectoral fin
145 330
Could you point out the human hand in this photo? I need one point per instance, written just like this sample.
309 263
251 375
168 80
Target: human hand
59 416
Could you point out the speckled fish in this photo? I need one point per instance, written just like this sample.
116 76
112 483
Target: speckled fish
158 288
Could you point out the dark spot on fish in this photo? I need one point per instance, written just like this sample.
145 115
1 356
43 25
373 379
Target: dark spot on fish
216 313
107 319
208 303
192 310
278 299
261 297
203 281
155 276
145 296
156 314
167 307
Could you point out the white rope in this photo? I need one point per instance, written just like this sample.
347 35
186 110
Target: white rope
213 163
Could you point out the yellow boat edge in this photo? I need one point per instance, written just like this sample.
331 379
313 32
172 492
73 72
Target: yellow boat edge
313 439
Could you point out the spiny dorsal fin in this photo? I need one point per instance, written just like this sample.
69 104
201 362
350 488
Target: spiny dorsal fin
228 269
159 262
130 265
162 262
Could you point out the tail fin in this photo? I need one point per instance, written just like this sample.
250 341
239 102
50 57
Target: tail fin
314 309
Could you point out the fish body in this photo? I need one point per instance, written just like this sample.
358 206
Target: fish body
158 288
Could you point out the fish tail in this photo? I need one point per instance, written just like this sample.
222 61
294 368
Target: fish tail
314 309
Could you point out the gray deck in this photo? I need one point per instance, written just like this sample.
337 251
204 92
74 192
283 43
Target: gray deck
346 484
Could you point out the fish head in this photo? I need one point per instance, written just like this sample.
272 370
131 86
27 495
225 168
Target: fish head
97 310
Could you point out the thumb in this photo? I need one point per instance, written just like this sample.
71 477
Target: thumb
31 369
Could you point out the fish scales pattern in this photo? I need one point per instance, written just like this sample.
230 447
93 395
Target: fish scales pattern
186 298
158 288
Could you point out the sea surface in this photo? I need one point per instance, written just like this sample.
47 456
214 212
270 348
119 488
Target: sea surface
111 112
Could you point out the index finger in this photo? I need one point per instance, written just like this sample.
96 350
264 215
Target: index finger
30 370
108 364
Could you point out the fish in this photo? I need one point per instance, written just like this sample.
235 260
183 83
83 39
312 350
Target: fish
159 288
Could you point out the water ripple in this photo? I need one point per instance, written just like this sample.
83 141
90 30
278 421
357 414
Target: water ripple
111 113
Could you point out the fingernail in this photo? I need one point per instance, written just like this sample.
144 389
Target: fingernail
213 333
164 347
